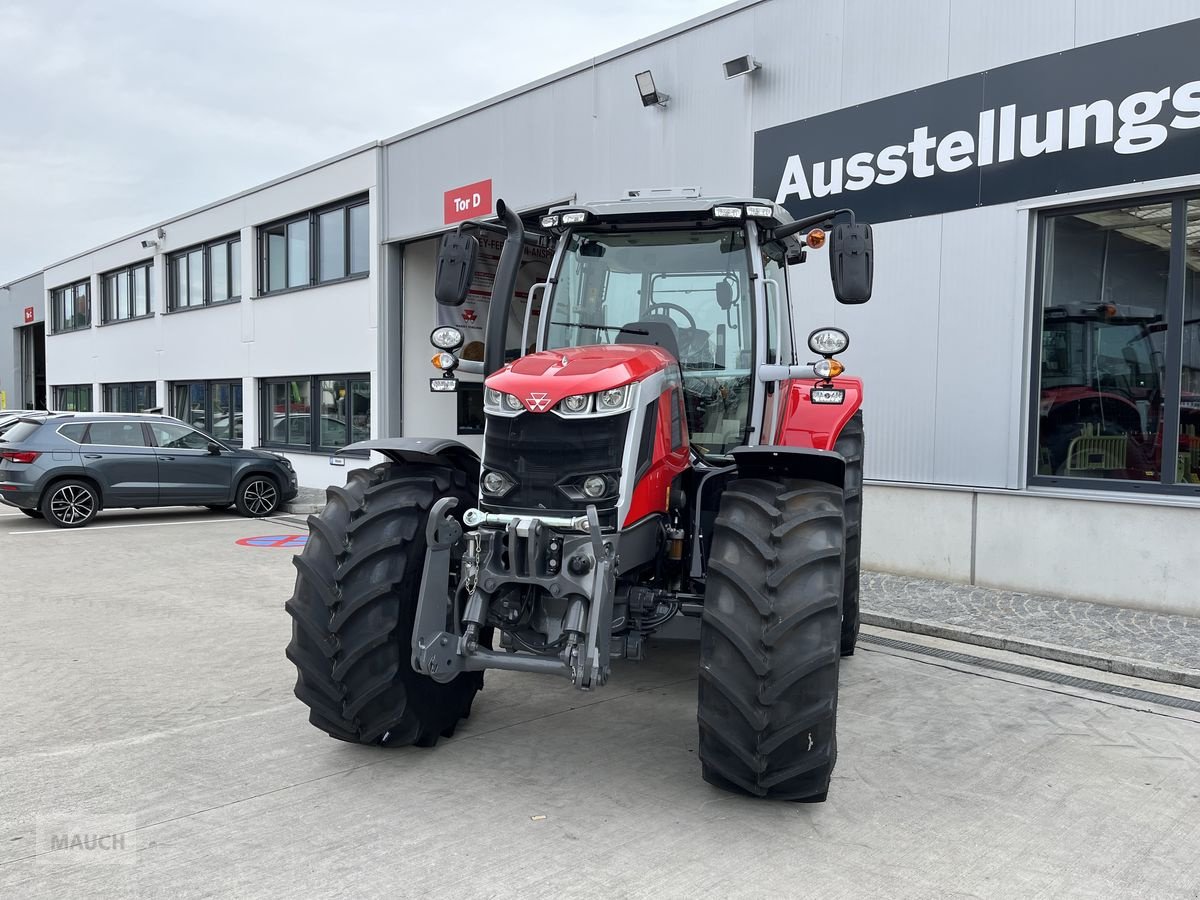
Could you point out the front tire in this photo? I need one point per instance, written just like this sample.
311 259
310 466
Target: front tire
258 497
850 444
355 605
70 504
770 639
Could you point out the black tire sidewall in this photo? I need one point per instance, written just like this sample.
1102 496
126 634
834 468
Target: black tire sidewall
241 504
48 497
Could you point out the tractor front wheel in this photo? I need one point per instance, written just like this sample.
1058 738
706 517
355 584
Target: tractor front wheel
353 610
770 639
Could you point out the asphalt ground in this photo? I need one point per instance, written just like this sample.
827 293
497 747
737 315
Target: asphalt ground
146 695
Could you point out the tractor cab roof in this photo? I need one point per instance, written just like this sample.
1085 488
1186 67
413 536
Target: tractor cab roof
653 207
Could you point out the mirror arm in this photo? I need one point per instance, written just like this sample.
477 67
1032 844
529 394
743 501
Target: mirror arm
779 232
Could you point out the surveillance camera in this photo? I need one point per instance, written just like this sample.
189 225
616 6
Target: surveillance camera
149 242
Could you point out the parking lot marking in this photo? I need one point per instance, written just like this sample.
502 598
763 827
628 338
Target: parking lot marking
131 525
274 540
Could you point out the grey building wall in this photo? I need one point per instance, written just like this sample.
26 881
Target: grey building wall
14 298
943 346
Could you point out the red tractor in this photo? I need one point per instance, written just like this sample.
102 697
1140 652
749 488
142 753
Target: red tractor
661 452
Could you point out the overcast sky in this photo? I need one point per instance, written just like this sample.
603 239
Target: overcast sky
117 114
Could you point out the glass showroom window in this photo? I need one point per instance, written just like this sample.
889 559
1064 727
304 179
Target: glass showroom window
71 307
127 293
316 413
214 407
73 398
324 245
1119 365
204 276
129 397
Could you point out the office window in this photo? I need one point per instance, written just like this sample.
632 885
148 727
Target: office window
214 407
1117 400
323 245
130 396
71 307
126 293
207 275
319 413
73 398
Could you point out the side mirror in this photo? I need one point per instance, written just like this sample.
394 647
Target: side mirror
455 267
214 448
851 262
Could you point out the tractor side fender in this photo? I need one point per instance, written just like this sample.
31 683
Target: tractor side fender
441 451
807 424
791 462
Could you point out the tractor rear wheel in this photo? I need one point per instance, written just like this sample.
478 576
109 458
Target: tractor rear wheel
770 639
850 444
354 607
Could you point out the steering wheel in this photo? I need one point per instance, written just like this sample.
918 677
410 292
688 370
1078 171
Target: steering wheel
650 311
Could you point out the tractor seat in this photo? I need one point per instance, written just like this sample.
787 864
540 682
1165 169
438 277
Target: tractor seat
659 332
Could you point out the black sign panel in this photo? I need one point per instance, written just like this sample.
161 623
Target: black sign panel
1110 113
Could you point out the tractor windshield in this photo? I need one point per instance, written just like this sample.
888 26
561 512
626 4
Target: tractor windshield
624 287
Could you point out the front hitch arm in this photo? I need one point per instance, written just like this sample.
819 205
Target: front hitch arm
431 644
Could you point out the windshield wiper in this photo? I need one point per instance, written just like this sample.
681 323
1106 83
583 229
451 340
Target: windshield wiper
602 327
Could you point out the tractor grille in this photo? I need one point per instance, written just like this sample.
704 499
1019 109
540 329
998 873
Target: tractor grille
538 452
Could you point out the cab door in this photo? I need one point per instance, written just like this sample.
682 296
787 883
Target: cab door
189 472
118 455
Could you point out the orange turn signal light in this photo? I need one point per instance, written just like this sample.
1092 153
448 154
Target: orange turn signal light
835 368
815 238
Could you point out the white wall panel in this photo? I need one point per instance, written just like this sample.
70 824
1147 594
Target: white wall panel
985 34
1100 20
893 47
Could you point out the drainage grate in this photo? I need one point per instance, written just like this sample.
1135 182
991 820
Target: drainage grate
1029 672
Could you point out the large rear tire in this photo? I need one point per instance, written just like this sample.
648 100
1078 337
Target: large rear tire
850 444
354 606
770 639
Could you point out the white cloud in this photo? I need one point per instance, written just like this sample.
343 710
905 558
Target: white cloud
114 115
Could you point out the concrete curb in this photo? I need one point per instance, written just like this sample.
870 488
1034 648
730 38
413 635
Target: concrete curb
1119 665
302 509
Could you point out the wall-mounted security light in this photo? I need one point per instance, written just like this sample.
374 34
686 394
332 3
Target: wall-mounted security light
651 96
155 241
743 65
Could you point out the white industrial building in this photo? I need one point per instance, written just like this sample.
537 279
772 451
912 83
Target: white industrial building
1031 355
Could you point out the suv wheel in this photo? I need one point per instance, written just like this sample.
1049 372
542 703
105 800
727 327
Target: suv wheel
70 504
258 496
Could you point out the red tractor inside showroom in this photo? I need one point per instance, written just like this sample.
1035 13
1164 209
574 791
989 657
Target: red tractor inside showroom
656 448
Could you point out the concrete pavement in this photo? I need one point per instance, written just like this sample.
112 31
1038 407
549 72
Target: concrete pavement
145 683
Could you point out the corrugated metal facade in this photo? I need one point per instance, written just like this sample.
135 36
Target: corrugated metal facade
943 344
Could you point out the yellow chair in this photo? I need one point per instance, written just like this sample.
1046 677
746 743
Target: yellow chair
1094 453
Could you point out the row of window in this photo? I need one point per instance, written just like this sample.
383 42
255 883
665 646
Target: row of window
324 245
315 413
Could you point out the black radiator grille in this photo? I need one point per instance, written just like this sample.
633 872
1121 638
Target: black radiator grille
540 451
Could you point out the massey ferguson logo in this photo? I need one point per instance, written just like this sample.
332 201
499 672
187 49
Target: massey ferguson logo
538 402
469 315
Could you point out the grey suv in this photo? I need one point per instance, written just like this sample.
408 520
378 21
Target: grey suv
67 467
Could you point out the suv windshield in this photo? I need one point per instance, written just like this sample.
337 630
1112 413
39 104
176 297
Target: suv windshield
697 284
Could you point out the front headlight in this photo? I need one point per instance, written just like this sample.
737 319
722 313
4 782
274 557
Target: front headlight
498 402
446 337
576 405
828 341
613 399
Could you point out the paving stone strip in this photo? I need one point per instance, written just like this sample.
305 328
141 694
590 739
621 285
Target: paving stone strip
1127 641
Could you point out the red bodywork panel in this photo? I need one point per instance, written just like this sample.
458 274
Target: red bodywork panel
540 380
815 425
652 491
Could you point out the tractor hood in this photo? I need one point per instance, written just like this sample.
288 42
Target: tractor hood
541 380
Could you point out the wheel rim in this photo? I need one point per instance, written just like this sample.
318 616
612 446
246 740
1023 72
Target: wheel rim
72 504
261 497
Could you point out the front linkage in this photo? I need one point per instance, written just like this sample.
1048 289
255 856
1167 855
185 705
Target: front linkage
568 560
